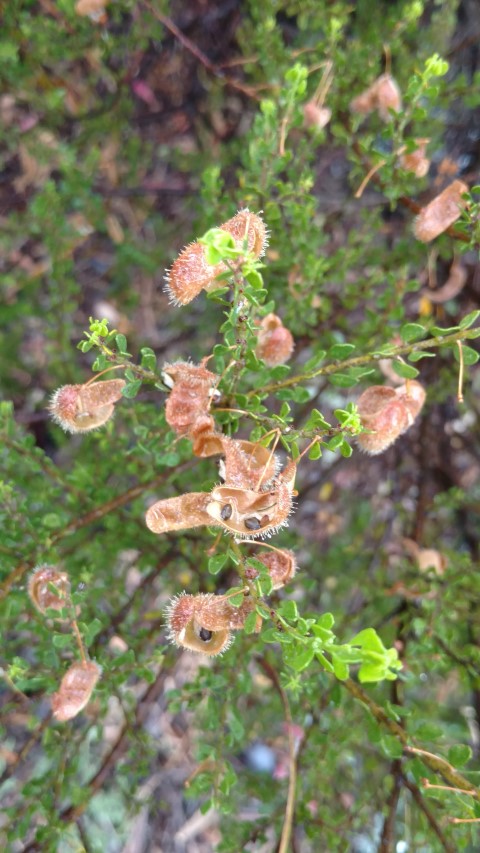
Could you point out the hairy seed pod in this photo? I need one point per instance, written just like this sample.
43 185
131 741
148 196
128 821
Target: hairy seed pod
316 116
205 441
75 690
247 464
387 413
275 342
94 9
193 387
190 273
254 513
48 588
281 565
179 513
81 408
204 622
441 212
416 161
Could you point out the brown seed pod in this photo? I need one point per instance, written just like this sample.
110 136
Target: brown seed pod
190 273
75 690
205 441
441 212
94 9
387 413
204 622
281 565
179 513
81 408
48 588
275 342
193 387
416 161
247 464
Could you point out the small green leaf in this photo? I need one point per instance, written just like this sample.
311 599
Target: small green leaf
250 623
342 380
216 563
335 443
406 371
288 610
470 356
315 451
459 754
340 351
121 343
418 355
437 332
132 389
412 332
469 319
298 658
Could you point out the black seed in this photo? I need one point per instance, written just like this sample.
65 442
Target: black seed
205 635
252 523
226 512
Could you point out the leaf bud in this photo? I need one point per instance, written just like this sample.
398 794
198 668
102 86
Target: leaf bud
75 690
81 408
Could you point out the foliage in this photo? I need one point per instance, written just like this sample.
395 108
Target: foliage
365 672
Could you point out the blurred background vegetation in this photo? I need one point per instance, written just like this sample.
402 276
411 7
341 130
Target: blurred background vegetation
123 135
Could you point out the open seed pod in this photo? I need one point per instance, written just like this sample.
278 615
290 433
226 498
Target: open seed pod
204 622
75 690
205 440
48 588
179 513
442 212
249 513
81 408
275 342
193 387
190 273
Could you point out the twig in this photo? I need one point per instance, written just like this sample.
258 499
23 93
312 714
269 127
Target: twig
387 837
292 759
460 373
420 801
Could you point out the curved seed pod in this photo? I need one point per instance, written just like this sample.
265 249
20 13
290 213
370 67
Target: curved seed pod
75 690
249 513
441 212
193 387
81 408
40 584
179 513
247 464
281 564
190 273
275 342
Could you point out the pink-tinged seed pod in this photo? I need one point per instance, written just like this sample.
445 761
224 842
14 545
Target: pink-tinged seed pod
388 96
387 413
75 690
316 116
204 622
81 408
441 212
48 588
190 273
416 161
247 464
383 95
205 441
93 9
193 388
281 565
179 513
275 342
